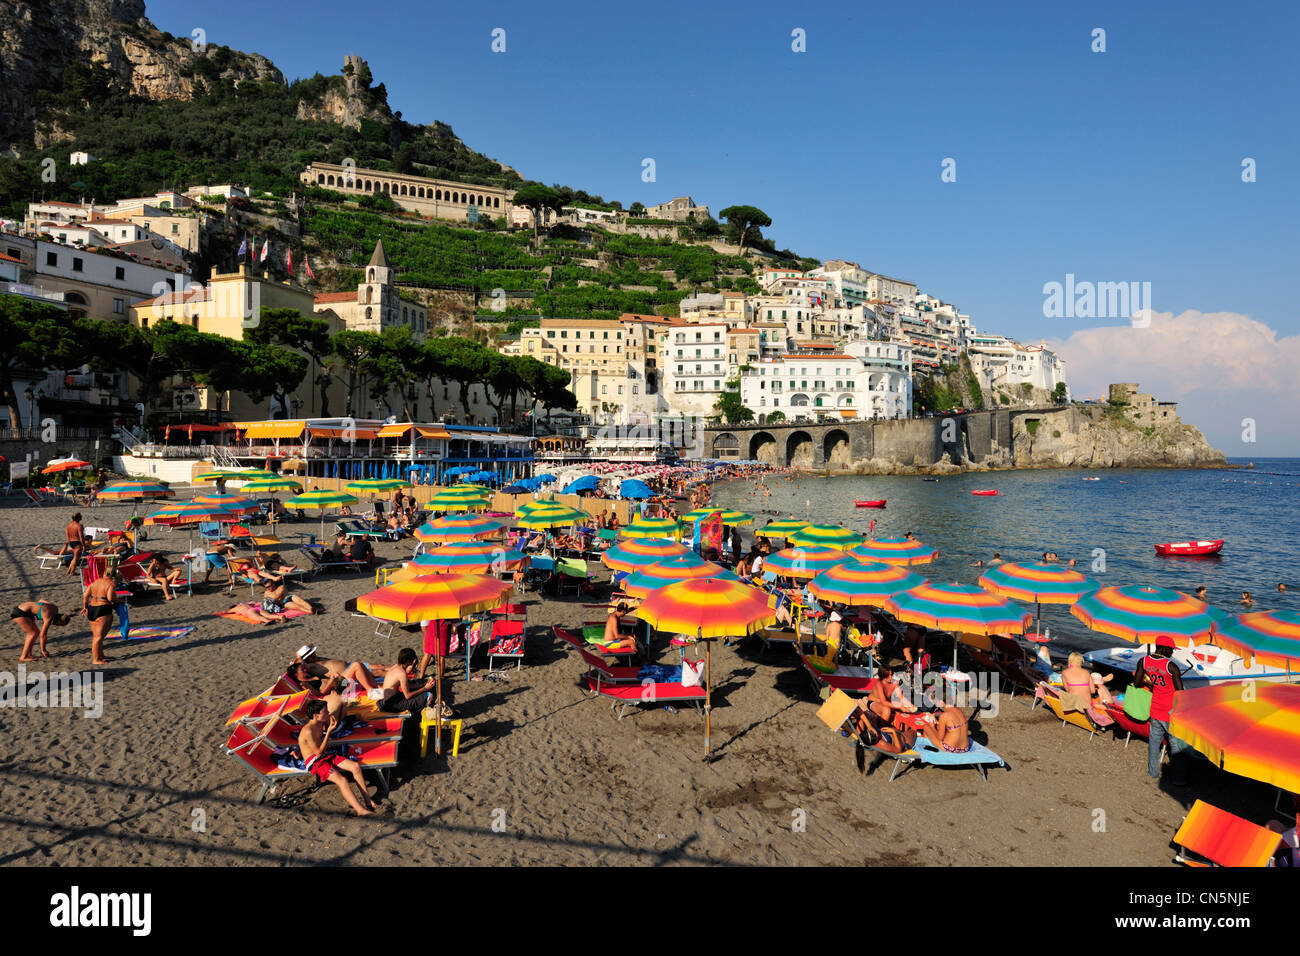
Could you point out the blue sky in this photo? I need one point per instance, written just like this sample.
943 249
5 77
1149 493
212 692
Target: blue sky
1115 166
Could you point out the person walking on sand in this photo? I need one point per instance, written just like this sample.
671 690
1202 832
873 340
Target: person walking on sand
1160 674
330 768
74 540
26 614
97 606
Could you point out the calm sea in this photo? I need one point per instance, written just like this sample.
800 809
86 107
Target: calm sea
1127 512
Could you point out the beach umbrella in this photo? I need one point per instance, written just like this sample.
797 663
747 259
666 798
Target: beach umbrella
251 474
708 608
643 527
826 535
491 477
585 483
1253 732
781 528
460 470
1140 614
453 499
321 500
960 608
464 557
515 489
557 516
529 484
64 464
803 563
862 583
685 567
1269 638
894 551
728 517
640 552
632 488
545 477
431 597
190 512
1039 582
457 527
236 504
376 485
276 483
139 490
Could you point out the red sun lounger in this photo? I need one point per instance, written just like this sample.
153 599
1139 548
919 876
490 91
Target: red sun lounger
623 696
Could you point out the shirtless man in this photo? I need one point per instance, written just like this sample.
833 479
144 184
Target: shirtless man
74 536
887 696
330 768
399 694
319 667
949 731
97 606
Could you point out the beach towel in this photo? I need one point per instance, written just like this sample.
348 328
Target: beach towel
1071 702
244 612
661 673
146 632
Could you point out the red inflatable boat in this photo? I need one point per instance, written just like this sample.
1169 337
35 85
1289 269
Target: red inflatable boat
1190 547
869 504
986 492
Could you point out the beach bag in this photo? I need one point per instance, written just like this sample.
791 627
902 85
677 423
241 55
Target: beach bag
1137 703
691 672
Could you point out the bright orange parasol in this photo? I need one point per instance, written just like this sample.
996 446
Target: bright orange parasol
435 597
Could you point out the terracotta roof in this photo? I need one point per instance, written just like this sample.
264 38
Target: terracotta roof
636 317
9 258
326 297
55 202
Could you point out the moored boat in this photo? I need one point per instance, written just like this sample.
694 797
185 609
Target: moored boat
1200 666
1190 548
985 492
869 504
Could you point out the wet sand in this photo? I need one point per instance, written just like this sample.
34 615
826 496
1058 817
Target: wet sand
544 774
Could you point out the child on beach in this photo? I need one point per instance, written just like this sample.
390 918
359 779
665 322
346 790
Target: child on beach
330 768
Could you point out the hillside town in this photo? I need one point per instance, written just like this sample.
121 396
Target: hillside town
834 343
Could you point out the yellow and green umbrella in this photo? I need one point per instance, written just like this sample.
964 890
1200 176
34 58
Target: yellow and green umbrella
728 517
250 474
558 516
275 483
642 527
376 485
826 536
321 500
454 499
782 529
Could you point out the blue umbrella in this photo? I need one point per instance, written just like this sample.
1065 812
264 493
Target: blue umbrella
545 478
631 488
488 476
516 489
529 484
460 470
585 483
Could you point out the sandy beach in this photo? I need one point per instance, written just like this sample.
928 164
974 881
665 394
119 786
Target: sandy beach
544 775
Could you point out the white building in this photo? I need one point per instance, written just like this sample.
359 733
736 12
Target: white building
834 385
694 364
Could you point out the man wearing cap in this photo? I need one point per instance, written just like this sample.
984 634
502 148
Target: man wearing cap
1161 676
356 671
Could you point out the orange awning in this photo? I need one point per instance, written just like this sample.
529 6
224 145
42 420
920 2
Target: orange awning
394 431
360 434
433 432
273 429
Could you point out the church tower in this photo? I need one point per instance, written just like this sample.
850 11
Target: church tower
377 297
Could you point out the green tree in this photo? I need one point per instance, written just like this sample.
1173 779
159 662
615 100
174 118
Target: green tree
728 404
636 210
745 223
776 418
308 334
32 336
353 352
537 198
395 364
467 362
1059 393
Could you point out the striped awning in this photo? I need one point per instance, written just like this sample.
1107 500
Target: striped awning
272 429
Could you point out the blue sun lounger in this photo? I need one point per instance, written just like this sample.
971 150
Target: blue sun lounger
927 754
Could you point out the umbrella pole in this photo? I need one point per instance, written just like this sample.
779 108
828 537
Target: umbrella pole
437 746
708 692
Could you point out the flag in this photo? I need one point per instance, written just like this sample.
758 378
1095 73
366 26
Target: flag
306 264
243 248
266 250
289 261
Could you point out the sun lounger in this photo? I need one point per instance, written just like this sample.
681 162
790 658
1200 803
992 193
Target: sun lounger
1216 837
49 558
623 696
509 632
256 753
580 642
315 565
839 708
133 575
1089 719
604 673
848 678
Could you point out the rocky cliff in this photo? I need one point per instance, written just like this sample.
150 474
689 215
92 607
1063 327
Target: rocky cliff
41 39
1091 438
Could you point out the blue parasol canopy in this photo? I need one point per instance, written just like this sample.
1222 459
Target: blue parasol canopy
632 488
585 483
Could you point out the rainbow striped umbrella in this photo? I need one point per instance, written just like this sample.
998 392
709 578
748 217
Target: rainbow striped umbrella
469 557
708 608
641 583
453 499
262 485
121 490
859 583
431 597
1270 638
962 608
1141 614
1252 731
826 535
374 485
728 517
190 512
803 562
237 504
782 529
894 551
1039 582
639 552
457 527
643 527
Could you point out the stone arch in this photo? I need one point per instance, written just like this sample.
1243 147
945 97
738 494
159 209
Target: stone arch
496 202
799 400
321 180
372 276
77 304
419 192
369 291
836 450
822 401
799 450
763 447
388 187
369 313
726 445
437 194
455 197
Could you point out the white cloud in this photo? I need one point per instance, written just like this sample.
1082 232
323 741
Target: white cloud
1222 367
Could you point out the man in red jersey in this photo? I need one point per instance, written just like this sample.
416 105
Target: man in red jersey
1159 673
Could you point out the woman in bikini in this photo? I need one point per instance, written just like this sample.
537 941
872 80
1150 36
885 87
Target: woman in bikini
161 571
949 731
27 614
882 735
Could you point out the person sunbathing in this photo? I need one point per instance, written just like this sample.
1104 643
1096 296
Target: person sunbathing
949 730
1084 683
27 613
886 696
616 615
276 599
399 694
356 671
162 572
330 768
882 735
